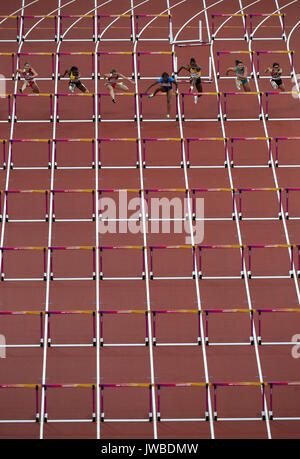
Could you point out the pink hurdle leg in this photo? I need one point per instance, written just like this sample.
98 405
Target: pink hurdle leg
37 414
158 402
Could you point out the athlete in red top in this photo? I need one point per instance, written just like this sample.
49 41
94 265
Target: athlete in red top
29 75
112 82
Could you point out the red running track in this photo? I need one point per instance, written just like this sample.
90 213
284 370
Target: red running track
72 359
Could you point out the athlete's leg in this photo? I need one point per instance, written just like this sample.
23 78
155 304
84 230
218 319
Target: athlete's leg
246 87
35 88
111 91
122 87
82 88
169 95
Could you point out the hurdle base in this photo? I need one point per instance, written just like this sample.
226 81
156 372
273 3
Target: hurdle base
259 340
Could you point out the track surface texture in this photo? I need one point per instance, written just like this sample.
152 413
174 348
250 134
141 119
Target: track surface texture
126 329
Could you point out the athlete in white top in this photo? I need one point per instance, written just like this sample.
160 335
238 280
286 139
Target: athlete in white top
276 81
113 83
29 75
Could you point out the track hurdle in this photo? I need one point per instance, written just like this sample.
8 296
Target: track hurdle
12 142
140 386
123 205
191 248
56 249
277 139
115 53
19 55
8 97
273 311
271 246
241 248
40 17
251 93
250 312
267 15
3 142
88 95
106 94
153 16
5 250
258 54
190 140
142 118
103 140
233 141
228 15
156 313
259 385
202 94
287 195
79 219
176 202
211 190
59 141
272 386
145 140
152 53
203 385
77 53
92 314
26 192
276 93
127 312
140 249
32 387
219 53
16 18
29 314
116 17
16 96
91 387
78 17
241 191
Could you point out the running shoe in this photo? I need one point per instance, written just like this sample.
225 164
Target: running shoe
195 99
114 101
238 84
274 84
191 89
168 116
72 89
21 90
150 95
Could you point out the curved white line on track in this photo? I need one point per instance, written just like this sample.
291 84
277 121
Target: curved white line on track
272 161
193 17
268 17
50 220
97 220
17 11
190 221
239 231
